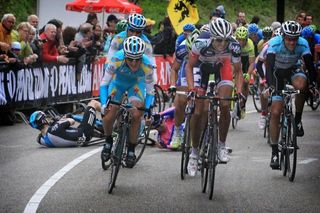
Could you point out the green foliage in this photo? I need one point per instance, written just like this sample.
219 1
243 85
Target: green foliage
265 9
21 9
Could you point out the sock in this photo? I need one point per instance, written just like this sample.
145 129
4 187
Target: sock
298 117
274 148
194 151
131 147
109 141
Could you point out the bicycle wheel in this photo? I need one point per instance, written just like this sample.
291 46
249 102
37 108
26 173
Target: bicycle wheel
235 115
314 101
212 157
159 102
203 164
185 148
116 158
283 146
256 95
291 142
142 142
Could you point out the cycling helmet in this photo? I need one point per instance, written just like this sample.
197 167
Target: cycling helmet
134 47
38 119
189 27
253 28
205 28
314 27
278 32
307 32
241 33
121 25
137 21
291 28
220 28
189 41
267 32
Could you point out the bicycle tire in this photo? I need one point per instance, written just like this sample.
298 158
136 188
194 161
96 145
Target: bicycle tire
212 155
234 117
185 148
142 142
291 148
256 96
314 102
203 160
283 151
159 103
116 158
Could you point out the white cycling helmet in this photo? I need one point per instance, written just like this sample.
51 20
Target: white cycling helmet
134 47
291 28
278 32
137 22
220 28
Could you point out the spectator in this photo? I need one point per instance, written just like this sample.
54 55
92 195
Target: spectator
148 30
219 12
97 40
49 50
33 20
84 35
241 20
300 19
110 28
308 20
92 19
255 20
6 26
22 36
164 41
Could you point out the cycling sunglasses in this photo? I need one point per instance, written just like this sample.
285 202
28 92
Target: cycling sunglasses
133 59
139 32
287 38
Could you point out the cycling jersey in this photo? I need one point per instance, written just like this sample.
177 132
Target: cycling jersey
61 134
117 44
284 58
120 78
248 49
212 61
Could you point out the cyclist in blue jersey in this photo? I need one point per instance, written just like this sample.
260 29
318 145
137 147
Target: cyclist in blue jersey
131 71
135 26
283 55
60 133
178 68
187 30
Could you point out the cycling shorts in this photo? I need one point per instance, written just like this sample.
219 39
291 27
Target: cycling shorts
182 79
135 90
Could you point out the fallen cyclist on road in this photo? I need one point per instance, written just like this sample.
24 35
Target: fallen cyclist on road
60 133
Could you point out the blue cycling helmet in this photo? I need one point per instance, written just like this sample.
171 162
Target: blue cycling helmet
253 28
134 47
189 27
307 32
137 22
38 119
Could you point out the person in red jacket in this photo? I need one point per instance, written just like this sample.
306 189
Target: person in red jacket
49 49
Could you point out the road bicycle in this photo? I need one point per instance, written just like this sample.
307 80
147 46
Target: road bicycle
119 150
209 140
314 98
287 144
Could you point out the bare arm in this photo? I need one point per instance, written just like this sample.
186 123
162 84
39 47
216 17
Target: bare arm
238 76
189 70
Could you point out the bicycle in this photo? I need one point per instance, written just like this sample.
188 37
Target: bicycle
287 145
256 89
118 152
314 98
159 99
209 140
186 143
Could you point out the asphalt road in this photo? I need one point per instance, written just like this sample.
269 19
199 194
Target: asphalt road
35 178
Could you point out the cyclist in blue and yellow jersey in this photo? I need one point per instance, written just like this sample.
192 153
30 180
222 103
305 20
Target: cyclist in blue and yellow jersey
178 80
283 55
60 132
135 26
215 54
247 56
131 71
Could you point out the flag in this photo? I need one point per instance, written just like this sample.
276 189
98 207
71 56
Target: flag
182 12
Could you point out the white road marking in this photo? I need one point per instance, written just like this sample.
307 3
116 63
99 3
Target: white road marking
308 160
35 200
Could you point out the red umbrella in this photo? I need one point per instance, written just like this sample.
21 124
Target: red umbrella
98 6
